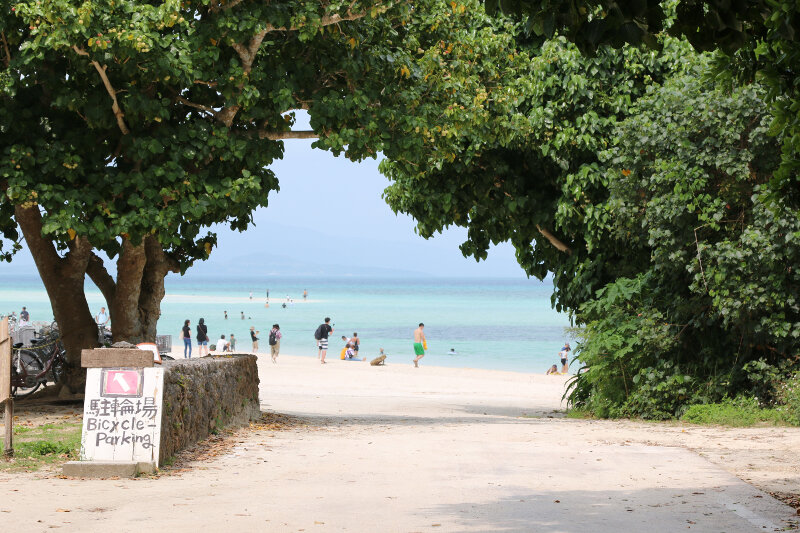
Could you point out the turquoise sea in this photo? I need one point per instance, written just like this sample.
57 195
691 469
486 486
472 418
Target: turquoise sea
503 324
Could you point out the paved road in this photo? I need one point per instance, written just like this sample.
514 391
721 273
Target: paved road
412 459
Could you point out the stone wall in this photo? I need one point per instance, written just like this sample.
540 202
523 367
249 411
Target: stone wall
205 395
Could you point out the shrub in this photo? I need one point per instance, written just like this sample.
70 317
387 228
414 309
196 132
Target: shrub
740 411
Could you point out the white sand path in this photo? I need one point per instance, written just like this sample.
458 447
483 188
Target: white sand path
431 449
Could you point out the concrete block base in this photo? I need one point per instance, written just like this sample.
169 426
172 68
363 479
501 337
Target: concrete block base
105 469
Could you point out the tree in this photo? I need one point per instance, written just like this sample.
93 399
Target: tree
760 40
693 189
534 178
129 127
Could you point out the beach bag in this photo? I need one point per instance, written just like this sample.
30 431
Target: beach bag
318 333
273 338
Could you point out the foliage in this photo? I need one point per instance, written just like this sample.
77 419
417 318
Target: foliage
534 177
742 411
788 398
142 119
592 23
130 127
693 190
760 40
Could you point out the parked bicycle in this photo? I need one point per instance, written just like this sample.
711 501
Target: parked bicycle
31 367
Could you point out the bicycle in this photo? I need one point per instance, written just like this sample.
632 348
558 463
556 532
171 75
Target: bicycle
29 371
104 337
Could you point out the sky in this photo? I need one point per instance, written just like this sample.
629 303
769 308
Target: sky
329 219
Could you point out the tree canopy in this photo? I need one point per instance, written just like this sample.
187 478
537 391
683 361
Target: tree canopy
130 127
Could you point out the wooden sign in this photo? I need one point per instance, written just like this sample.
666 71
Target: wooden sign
5 361
122 414
5 386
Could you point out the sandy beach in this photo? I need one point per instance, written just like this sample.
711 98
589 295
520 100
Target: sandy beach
396 448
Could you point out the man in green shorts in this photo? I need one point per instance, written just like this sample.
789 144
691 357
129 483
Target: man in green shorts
419 343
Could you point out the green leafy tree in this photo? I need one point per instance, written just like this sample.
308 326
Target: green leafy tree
128 127
760 40
534 177
694 190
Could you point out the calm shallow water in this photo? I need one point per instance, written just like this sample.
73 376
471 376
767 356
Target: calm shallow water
491 323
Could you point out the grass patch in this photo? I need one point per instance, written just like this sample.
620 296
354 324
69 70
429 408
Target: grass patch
580 414
738 412
47 445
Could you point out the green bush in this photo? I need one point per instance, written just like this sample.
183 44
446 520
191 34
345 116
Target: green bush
789 398
740 411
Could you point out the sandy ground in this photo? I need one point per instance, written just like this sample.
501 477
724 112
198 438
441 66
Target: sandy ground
435 449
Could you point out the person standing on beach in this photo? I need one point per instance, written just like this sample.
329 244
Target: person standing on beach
323 330
102 317
305 294
254 339
202 337
355 343
419 343
564 354
275 342
186 335
24 316
232 342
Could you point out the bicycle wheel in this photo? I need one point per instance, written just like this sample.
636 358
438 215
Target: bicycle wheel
57 367
25 367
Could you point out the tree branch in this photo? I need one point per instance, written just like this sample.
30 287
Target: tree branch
247 53
42 249
7 59
99 275
80 250
325 20
555 241
278 135
225 7
111 92
202 107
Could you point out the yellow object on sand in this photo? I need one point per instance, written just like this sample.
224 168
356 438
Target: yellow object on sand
343 354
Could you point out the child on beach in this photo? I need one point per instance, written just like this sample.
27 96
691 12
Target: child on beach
378 361
564 355
552 370
232 343
254 339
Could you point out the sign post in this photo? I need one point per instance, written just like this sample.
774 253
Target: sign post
5 386
121 414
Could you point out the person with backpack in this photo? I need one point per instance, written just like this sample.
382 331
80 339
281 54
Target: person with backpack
321 335
275 342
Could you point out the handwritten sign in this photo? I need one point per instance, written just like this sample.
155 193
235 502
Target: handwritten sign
122 414
118 383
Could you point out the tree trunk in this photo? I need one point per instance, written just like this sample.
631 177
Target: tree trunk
134 300
63 278
125 305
